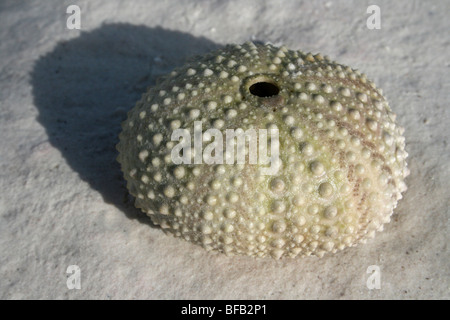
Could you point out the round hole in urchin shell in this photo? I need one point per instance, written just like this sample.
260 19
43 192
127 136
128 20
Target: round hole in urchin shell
264 89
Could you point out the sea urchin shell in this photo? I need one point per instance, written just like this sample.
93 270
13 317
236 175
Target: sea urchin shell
341 154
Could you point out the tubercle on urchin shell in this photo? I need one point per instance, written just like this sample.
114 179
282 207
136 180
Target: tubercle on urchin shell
342 152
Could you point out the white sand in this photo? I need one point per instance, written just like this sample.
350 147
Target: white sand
63 94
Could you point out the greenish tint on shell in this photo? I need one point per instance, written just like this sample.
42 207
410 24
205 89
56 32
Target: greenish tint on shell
342 154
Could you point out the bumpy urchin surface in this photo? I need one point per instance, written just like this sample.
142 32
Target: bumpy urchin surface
342 154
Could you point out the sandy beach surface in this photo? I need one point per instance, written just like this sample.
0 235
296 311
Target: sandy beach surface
64 93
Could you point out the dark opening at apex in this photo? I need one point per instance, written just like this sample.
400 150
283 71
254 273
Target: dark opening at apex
264 89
